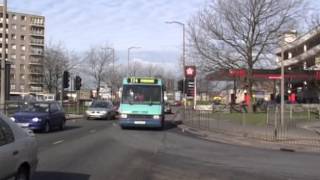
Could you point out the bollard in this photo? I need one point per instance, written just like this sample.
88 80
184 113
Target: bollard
309 115
276 124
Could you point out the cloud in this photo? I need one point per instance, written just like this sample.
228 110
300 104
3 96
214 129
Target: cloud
82 24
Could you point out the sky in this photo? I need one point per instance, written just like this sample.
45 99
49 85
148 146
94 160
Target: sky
81 24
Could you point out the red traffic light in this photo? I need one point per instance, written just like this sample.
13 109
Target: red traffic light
190 72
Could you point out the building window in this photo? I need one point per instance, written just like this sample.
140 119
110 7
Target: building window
23 27
22 37
22 87
14 26
14 17
13 37
13 56
13 46
12 86
23 57
23 47
22 77
23 18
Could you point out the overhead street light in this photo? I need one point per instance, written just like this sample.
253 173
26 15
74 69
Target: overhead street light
129 49
183 41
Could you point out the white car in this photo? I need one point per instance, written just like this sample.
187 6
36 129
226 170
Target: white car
18 151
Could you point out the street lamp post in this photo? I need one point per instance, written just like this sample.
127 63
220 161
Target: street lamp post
183 41
183 50
3 58
129 49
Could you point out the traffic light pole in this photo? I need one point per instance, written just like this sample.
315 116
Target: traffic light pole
62 92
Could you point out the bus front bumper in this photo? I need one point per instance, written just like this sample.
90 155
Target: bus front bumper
152 123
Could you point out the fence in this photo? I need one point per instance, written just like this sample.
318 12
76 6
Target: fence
12 107
301 123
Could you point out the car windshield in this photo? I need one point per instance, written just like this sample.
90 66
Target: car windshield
141 94
35 107
99 104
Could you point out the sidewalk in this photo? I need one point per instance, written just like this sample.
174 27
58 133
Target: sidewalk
73 116
304 138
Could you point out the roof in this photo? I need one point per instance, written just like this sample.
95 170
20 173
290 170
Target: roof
301 39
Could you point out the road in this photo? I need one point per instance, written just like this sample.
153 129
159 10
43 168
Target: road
99 150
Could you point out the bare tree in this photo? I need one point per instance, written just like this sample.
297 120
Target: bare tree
240 33
98 60
56 60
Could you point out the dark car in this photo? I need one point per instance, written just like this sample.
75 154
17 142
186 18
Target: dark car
43 116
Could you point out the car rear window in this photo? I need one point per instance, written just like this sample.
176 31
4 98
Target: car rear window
6 134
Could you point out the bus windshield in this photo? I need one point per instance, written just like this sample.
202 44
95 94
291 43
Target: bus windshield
141 94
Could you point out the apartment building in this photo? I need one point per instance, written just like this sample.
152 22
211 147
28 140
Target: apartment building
24 50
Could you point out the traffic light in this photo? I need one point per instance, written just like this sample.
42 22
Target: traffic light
77 83
189 87
66 79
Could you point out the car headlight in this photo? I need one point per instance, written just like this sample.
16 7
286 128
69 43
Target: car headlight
13 119
36 119
123 116
156 117
103 112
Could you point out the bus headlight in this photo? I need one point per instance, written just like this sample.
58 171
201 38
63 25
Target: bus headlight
124 116
156 117
13 119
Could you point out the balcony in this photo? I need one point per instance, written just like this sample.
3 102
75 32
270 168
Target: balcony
37 42
36 88
37 33
35 81
37 21
36 52
35 62
36 72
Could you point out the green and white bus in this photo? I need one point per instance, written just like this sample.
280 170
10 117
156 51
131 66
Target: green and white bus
142 102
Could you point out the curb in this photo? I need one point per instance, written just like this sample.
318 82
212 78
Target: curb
240 140
71 117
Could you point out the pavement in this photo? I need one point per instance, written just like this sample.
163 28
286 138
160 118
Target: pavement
74 116
99 150
304 138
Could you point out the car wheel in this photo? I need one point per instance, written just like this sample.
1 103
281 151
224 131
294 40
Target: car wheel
23 174
62 125
109 116
47 128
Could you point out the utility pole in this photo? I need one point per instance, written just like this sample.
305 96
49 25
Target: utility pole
3 57
282 82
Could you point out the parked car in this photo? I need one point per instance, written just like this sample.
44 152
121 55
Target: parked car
18 151
43 116
101 110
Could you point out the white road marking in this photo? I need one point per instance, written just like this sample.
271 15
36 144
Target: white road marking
58 142
93 131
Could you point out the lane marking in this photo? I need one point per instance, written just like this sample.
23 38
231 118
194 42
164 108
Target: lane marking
58 142
93 131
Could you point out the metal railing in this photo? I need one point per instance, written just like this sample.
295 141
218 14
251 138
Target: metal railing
301 124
